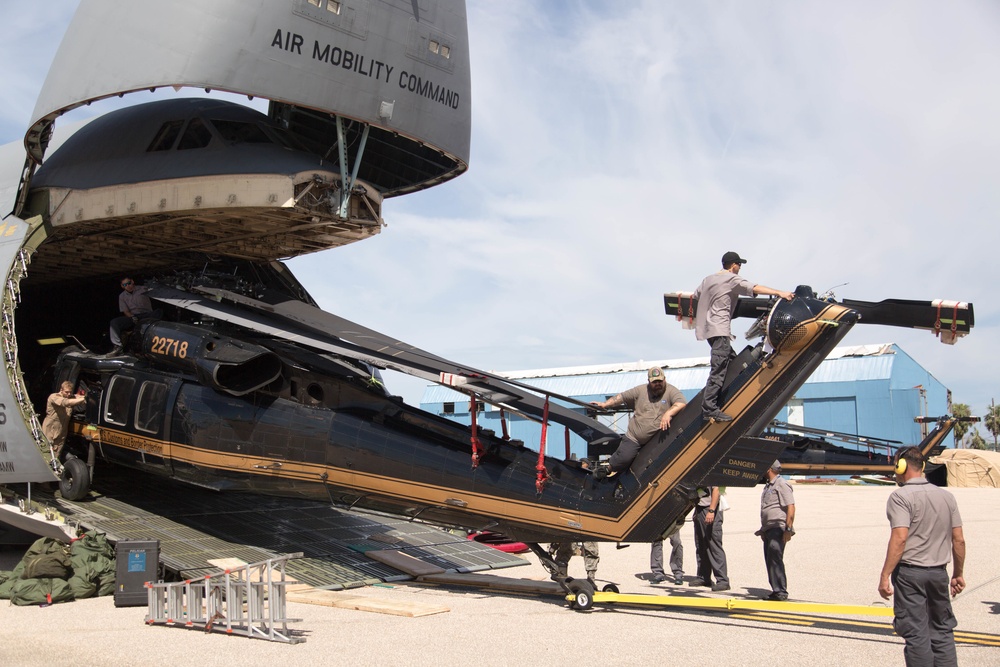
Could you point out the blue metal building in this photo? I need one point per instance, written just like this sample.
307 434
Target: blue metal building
869 390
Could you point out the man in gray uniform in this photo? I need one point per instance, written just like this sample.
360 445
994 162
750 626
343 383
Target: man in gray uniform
926 534
653 406
716 297
777 514
134 305
708 540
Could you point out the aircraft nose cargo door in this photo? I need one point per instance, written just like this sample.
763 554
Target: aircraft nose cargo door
136 562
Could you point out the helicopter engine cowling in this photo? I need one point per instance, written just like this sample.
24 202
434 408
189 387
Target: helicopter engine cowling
791 324
225 364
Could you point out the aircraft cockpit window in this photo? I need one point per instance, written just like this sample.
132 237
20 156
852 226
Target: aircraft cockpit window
119 397
197 135
440 49
332 6
285 138
165 138
149 411
240 132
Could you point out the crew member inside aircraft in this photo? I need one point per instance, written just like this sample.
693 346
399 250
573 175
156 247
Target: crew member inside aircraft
58 409
716 297
926 535
653 406
134 306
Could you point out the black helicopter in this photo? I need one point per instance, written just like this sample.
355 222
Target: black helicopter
244 386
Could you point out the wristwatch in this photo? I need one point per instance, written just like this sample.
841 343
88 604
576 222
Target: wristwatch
790 530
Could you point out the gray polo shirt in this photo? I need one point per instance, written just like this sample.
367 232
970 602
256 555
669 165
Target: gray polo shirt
647 411
137 302
774 501
716 302
930 513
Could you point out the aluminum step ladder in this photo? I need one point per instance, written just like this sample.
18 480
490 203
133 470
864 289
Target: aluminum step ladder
248 600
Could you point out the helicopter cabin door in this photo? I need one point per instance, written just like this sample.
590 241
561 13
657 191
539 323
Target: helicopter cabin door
135 423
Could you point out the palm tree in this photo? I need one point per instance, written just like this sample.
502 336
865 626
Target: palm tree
992 422
977 441
961 428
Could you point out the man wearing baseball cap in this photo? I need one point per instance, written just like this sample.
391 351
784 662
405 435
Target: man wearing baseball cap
717 297
777 514
653 406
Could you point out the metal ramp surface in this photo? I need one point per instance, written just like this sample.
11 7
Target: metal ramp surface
194 525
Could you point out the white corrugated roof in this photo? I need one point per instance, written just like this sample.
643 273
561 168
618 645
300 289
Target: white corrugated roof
860 362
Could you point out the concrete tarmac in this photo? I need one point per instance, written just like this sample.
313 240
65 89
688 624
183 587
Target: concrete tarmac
835 557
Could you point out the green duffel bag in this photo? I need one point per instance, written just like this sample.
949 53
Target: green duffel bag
83 587
93 550
7 584
40 591
106 584
54 565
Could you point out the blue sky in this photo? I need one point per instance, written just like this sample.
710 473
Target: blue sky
619 149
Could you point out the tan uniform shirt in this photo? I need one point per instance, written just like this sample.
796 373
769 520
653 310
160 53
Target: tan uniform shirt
647 411
57 412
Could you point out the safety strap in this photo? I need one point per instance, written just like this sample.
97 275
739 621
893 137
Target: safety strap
503 425
542 473
477 447
954 320
690 308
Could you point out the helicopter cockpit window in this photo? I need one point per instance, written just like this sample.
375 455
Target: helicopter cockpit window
240 132
197 135
149 411
119 396
165 138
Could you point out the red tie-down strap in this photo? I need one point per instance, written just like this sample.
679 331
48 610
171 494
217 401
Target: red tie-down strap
503 425
542 473
954 320
690 307
477 447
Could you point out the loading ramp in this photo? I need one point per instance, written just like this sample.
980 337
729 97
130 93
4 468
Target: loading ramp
195 525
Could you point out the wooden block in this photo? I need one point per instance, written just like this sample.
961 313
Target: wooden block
227 563
359 603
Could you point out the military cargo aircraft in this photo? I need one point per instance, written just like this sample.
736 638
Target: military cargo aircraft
243 382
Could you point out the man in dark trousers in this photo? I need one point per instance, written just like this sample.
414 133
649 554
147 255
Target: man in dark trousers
653 406
708 540
676 560
777 514
926 534
716 297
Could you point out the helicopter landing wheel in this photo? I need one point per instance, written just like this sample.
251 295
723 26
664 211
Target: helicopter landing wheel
583 595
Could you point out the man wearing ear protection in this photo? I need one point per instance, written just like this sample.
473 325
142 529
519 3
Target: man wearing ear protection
926 534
